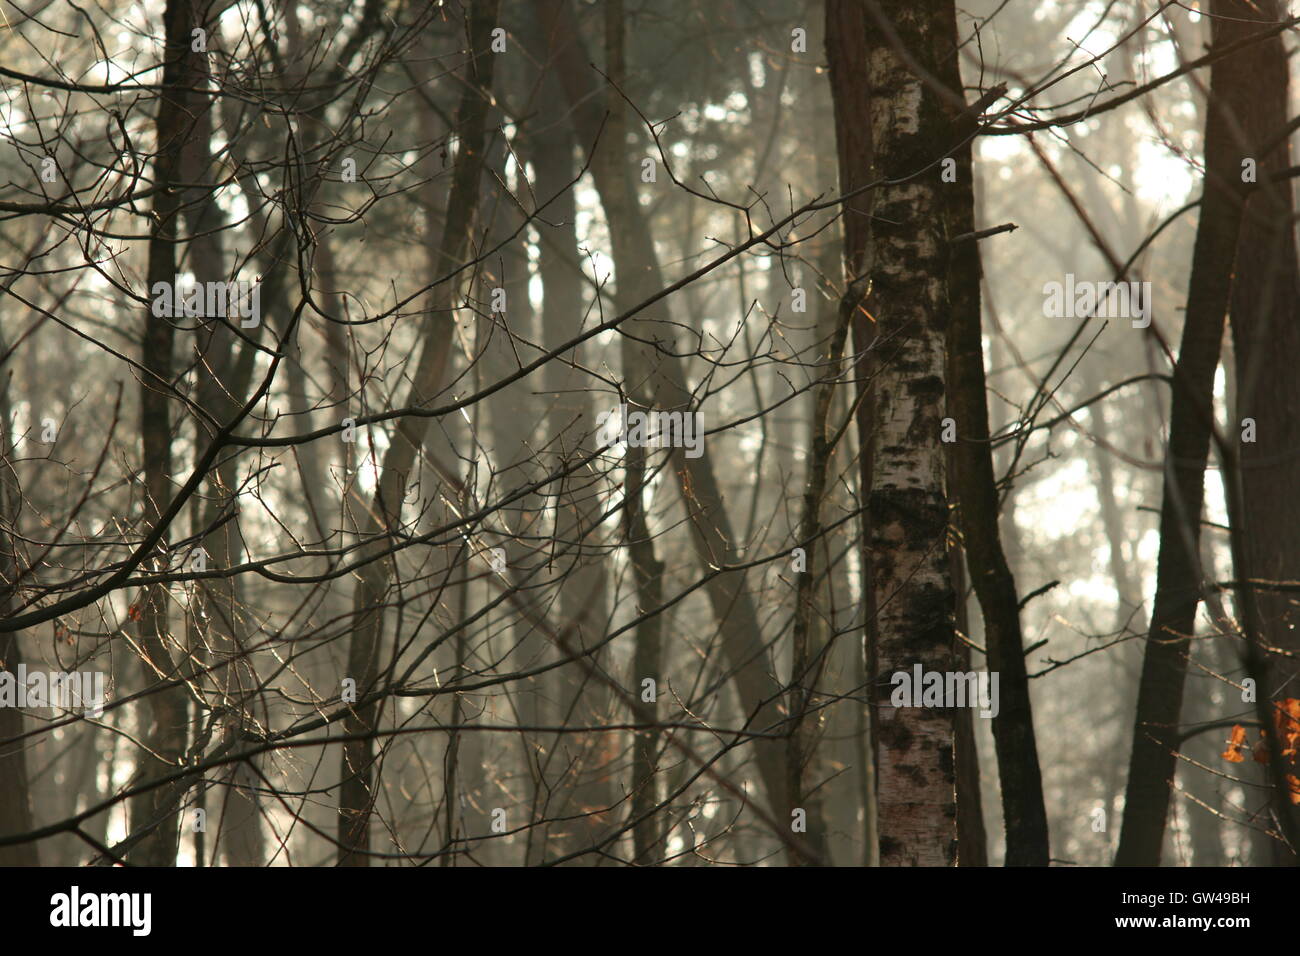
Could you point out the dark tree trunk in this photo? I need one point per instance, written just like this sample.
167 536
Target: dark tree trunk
1265 318
1233 84
846 45
167 709
639 277
15 793
356 795
972 838
583 596
973 487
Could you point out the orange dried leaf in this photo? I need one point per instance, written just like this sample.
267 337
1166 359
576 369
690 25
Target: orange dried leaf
1286 718
1236 745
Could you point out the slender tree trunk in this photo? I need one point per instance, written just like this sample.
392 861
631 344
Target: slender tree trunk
975 491
809 644
15 799
1178 570
215 617
356 797
846 51
971 835
639 277
500 339
1202 797
167 710
638 367
1112 519
647 657
581 579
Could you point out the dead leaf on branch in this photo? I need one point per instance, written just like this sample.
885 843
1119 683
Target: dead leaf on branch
1236 745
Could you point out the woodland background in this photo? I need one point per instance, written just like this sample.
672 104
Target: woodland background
478 225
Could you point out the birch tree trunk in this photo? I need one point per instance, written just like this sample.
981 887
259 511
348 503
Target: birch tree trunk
910 574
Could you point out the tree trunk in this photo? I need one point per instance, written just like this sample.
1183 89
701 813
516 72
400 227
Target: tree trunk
911 128
167 710
639 277
1265 314
1178 569
845 37
971 835
356 798
809 644
15 800
583 597
973 487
